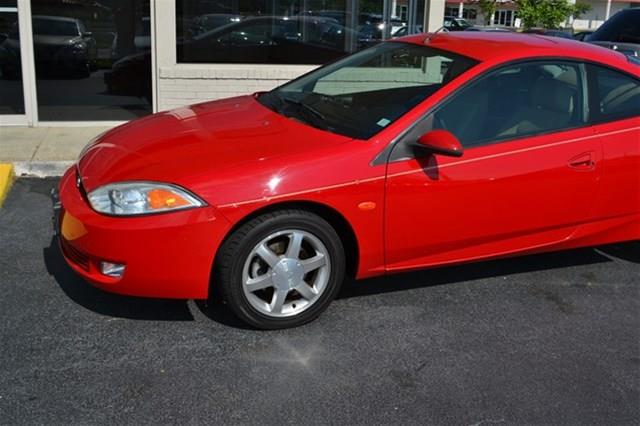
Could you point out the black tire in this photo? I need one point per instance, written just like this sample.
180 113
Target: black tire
235 250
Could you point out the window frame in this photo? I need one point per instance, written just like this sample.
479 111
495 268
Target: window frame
401 147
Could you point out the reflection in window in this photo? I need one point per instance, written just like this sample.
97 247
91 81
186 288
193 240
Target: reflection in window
467 13
11 90
92 58
282 31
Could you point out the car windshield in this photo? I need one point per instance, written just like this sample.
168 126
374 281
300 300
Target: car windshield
623 27
53 27
360 95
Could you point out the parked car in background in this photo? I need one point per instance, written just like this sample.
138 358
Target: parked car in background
141 41
582 35
209 22
129 76
548 32
418 152
396 24
404 31
276 39
62 46
372 25
621 32
452 23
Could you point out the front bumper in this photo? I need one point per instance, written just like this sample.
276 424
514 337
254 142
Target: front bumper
166 255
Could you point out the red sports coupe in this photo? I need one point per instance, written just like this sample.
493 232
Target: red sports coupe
423 151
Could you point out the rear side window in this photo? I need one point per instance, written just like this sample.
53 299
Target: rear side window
616 95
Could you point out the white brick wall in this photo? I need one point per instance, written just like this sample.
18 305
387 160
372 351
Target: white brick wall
184 84
597 15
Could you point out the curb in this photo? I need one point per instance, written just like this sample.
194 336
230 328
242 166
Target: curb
6 179
41 169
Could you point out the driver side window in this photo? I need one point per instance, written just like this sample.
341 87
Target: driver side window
512 102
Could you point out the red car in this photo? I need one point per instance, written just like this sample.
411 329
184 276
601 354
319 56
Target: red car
419 152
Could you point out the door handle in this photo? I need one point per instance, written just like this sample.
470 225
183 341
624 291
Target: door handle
583 161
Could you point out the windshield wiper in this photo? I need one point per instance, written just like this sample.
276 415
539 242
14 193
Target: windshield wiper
304 106
312 116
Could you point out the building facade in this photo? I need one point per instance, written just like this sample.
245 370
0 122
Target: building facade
506 14
600 11
103 62
90 62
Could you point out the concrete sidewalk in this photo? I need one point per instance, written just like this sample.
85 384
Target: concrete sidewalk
43 151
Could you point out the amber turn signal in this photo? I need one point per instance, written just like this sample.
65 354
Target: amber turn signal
162 198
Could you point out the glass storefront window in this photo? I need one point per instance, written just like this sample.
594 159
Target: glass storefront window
93 59
282 31
11 90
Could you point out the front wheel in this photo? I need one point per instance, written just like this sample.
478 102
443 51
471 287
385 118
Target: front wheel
281 269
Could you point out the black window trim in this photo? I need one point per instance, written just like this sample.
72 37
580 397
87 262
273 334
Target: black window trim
390 154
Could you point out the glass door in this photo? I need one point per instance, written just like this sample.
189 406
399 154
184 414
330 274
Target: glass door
12 93
92 59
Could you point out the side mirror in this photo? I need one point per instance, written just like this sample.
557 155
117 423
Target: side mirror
87 34
441 142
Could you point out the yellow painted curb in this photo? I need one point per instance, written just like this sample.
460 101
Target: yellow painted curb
6 179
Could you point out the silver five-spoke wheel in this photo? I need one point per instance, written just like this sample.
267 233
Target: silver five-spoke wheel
286 273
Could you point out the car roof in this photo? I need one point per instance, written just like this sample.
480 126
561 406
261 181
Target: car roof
629 10
503 46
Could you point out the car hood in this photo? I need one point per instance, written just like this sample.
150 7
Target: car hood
201 145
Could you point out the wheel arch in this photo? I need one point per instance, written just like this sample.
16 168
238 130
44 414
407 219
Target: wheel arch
341 225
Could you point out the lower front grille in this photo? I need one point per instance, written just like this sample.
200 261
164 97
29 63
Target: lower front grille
74 255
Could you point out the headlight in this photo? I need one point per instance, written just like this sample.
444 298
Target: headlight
136 198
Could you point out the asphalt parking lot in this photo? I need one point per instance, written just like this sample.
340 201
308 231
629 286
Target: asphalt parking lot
546 339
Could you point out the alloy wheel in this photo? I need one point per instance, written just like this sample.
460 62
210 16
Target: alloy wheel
286 273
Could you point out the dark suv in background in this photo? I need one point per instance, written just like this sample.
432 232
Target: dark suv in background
621 32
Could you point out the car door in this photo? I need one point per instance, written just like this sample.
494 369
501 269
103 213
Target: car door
527 179
615 106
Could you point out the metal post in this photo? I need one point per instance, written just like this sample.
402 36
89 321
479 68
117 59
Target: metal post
351 24
28 62
386 19
412 11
